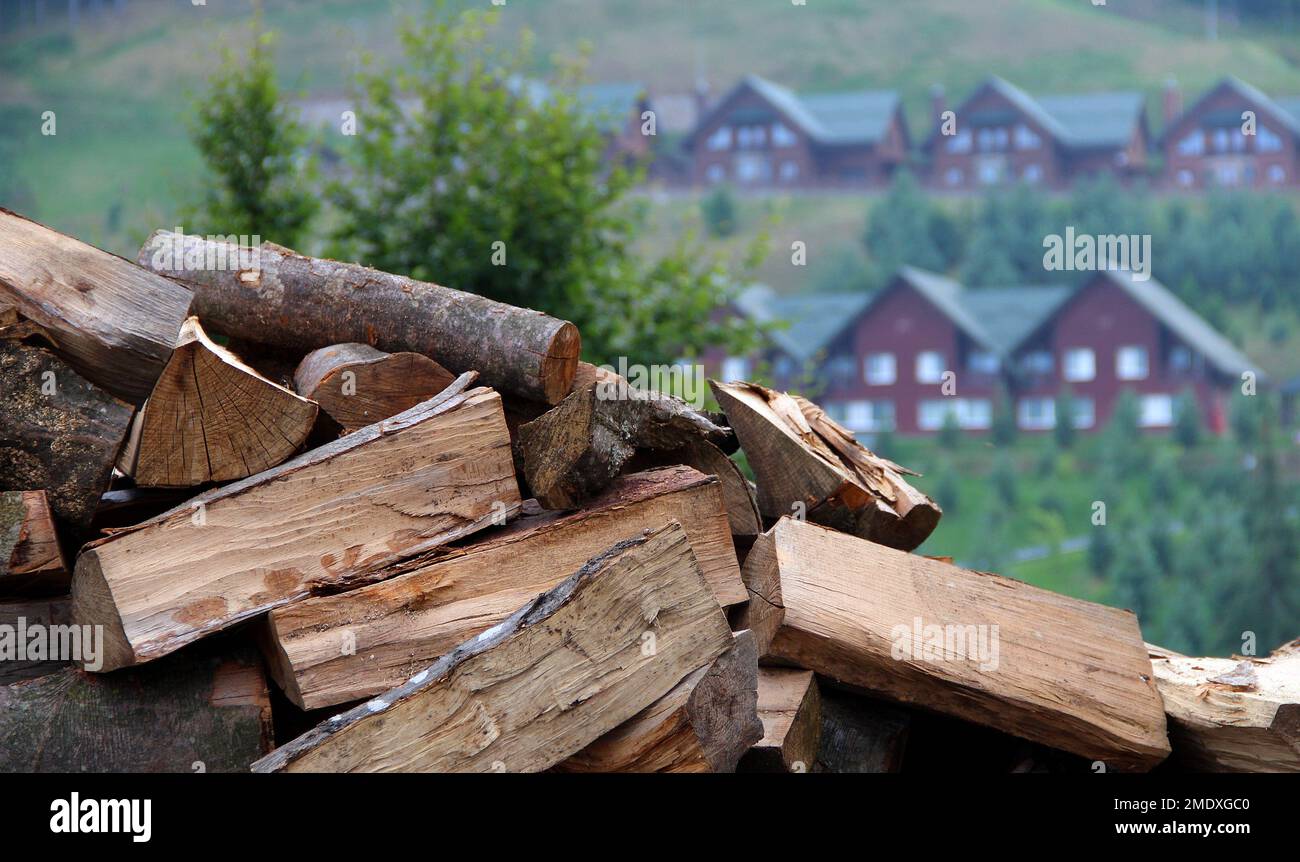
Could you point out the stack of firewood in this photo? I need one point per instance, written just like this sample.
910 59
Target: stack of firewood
453 546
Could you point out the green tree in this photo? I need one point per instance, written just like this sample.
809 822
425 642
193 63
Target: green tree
1187 421
949 437
1004 428
261 181
1004 481
899 229
1065 431
719 211
947 490
468 172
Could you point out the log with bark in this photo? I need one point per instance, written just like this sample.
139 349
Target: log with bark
205 712
21 655
211 418
810 466
992 650
561 672
705 724
574 450
31 558
58 431
1232 715
357 385
326 519
789 705
278 297
334 649
112 321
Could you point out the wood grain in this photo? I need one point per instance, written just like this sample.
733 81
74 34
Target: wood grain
789 705
357 385
31 558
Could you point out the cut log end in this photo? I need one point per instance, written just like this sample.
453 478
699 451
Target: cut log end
92 603
560 363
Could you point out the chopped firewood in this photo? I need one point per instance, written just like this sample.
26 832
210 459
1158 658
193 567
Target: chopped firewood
211 418
992 650
58 431
31 559
112 321
737 491
1231 715
285 299
561 672
358 385
334 649
704 724
22 656
860 734
809 466
789 706
327 518
189 713
575 449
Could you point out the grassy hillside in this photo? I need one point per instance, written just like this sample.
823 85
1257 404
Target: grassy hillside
121 86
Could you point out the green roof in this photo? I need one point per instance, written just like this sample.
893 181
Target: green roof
1076 120
814 318
850 117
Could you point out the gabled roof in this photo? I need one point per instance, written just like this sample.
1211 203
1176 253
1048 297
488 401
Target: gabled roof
1077 120
1285 108
850 117
814 318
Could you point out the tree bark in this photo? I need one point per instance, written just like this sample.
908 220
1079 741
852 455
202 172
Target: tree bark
112 321
435 473
334 649
276 296
610 640
357 385
31 558
967 644
211 418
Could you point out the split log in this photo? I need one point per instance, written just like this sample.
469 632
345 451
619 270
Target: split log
576 449
31 559
1230 715
807 465
112 321
860 735
328 518
357 385
58 431
789 706
188 713
737 491
211 418
334 649
279 297
557 675
705 724
1064 672
18 619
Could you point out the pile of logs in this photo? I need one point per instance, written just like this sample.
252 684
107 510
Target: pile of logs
293 514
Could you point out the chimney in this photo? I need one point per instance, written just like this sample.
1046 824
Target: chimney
937 105
1172 101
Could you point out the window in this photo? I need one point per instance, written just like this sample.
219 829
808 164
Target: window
750 137
1131 363
789 171
1080 364
1033 173
720 139
868 415
753 168
782 136
1026 138
929 367
1157 411
715 173
1222 140
1085 412
735 368
993 140
1036 414
1180 359
1193 144
990 172
1276 174
960 142
1037 362
969 413
983 362
1266 140
954 176
880 369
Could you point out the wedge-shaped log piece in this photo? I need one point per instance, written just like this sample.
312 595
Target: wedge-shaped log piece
808 465
1229 715
204 712
789 705
112 321
58 431
31 558
704 724
333 649
276 296
988 649
357 385
560 673
329 517
211 418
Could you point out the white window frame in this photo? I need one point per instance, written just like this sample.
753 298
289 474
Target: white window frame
715 173
782 136
1132 362
1072 371
1026 138
1156 410
962 142
930 366
880 376
1084 412
720 139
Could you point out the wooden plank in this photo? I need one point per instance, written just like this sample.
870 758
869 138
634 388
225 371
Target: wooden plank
705 724
31 558
1232 715
561 672
992 650
326 519
112 321
789 705
334 649
203 712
